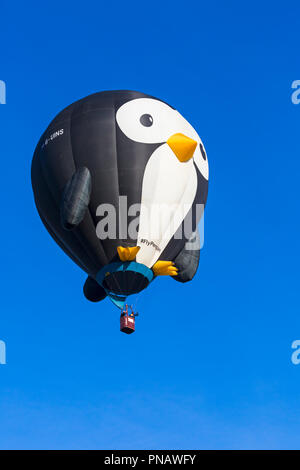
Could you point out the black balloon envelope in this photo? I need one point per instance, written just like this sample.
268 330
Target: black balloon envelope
120 180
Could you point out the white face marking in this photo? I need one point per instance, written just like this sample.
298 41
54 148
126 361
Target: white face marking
150 121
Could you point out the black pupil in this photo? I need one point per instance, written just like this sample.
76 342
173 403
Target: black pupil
202 152
146 120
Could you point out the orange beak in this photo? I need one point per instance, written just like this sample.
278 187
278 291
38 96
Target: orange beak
182 146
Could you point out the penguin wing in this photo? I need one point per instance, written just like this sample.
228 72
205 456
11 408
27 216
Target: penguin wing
76 198
188 259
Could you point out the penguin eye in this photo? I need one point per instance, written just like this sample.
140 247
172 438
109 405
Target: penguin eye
146 120
202 152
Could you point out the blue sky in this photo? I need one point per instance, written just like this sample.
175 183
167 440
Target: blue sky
210 364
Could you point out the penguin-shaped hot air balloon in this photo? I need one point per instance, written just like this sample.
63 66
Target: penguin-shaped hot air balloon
116 177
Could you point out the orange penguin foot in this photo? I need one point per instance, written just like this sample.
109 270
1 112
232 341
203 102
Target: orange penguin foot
164 268
127 253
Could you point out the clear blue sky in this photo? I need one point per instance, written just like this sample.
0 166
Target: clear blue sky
209 366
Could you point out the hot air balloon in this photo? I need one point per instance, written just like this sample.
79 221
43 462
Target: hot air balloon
115 178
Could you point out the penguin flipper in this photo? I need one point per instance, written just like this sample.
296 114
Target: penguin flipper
127 253
93 291
164 268
188 259
76 198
